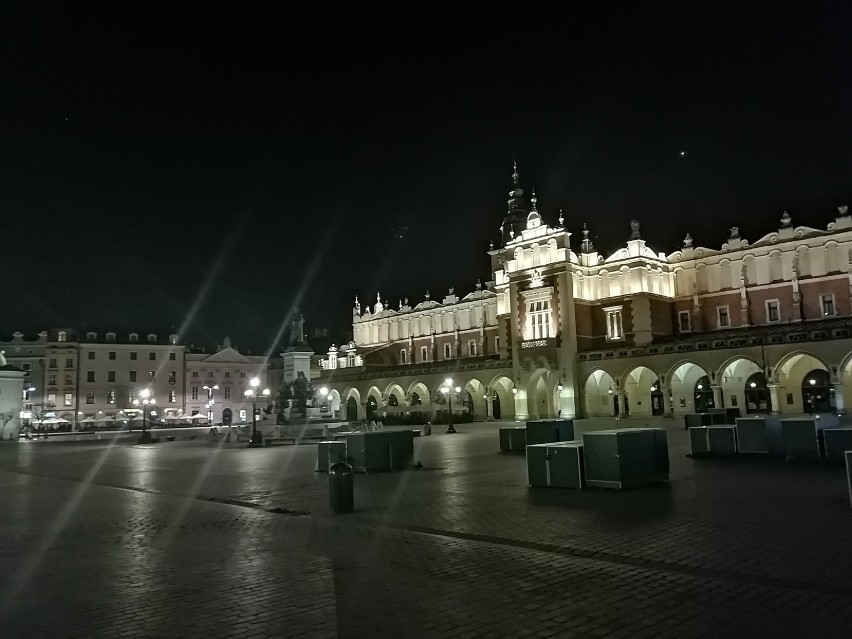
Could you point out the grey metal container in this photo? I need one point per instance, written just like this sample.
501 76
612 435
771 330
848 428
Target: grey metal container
836 441
722 440
759 434
380 451
697 419
329 452
800 438
559 464
545 431
698 445
625 457
513 438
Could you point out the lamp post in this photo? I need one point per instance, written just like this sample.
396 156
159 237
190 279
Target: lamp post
256 437
447 389
147 400
210 402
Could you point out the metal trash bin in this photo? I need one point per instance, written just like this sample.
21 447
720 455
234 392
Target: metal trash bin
341 488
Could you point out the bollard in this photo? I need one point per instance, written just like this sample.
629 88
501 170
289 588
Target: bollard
341 488
427 429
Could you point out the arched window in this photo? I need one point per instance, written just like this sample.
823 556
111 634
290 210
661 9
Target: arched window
756 394
817 392
703 395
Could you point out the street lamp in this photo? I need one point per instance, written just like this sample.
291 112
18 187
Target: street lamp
256 437
210 401
146 401
447 389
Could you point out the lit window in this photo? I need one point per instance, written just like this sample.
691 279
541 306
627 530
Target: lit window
538 319
195 392
773 311
827 304
350 360
152 376
51 399
69 399
403 354
723 319
110 397
90 397
62 337
172 376
448 351
172 396
614 327
684 321
471 347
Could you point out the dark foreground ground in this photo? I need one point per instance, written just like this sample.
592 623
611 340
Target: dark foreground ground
194 539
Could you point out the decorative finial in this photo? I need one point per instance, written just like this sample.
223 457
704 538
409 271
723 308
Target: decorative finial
400 304
785 219
515 176
534 199
585 232
561 219
478 284
735 232
427 295
687 241
842 209
634 230
511 233
452 288
406 301
379 298
491 245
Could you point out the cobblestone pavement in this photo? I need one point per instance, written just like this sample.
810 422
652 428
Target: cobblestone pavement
193 539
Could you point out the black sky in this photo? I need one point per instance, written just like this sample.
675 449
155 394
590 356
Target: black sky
206 167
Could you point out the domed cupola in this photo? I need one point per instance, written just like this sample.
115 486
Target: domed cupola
516 215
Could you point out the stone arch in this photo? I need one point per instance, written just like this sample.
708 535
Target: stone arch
502 398
372 403
475 398
334 402
733 376
599 389
539 394
352 401
790 374
393 390
642 393
683 377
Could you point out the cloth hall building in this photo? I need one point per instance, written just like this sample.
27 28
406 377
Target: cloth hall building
761 326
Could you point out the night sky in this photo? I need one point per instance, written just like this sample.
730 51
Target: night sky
204 167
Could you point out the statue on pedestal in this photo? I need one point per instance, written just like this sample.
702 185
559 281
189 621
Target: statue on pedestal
297 329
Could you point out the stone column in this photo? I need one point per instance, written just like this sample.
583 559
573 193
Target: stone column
839 403
621 397
718 399
774 404
667 402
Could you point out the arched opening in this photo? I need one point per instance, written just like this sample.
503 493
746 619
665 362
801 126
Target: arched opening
639 386
502 397
372 405
538 399
756 394
683 381
658 405
415 400
599 394
703 395
475 399
334 402
351 409
392 400
737 378
227 417
817 393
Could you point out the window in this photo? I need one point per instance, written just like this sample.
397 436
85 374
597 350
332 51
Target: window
69 362
51 379
209 373
90 376
471 347
723 319
614 327
227 392
112 355
69 379
132 376
62 337
133 355
423 354
172 396
26 367
91 354
52 363
243 375
350 360
538 319
172 377
773 311
172 357
90 397
110 337
684 321
227 373
134 337
152 337
195 373
448 351
68 399
194 392
110 397
51 399
152 356
826 302
110 376
497 344
131 397
152 376
91 336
